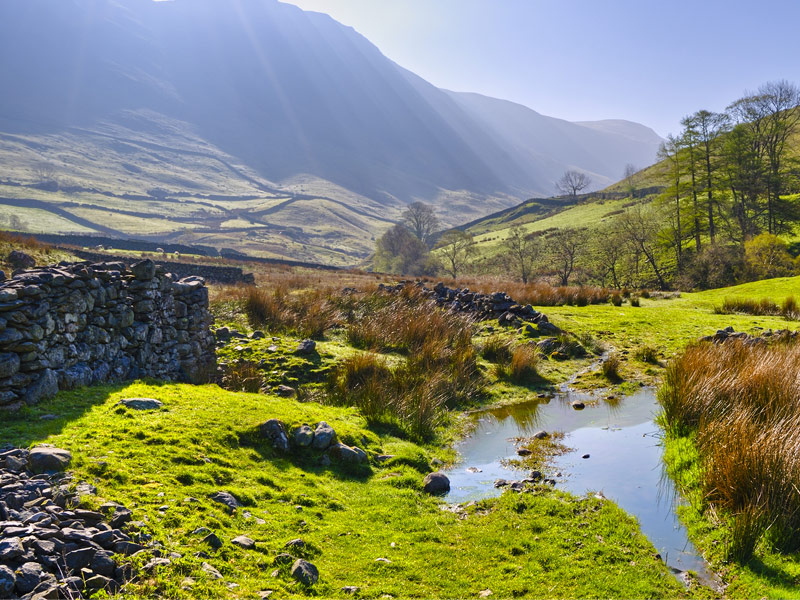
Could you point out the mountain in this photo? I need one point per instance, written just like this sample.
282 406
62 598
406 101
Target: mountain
257 125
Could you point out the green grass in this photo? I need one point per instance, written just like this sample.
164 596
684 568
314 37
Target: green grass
542 545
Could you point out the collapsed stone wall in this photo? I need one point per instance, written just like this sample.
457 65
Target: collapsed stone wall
78 324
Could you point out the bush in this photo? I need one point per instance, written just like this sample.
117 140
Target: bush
646 354
616 299
522 366
496 349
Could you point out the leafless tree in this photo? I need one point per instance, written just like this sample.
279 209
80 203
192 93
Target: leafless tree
573 182
629 178
564 246
44 172
523 250
421 220
456 249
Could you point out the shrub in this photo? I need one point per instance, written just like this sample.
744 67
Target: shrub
496 349
522 367
616 299
646 354
635 301
610 368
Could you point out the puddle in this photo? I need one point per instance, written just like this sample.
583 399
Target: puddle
624 462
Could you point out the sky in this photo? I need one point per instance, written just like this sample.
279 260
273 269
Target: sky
650 61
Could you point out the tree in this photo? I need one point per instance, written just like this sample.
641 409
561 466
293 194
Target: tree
628 177
456 249
421 220
767 256
608 252
670 153
522 251
564 246
573 182
690 139
400 251
709 126
641 228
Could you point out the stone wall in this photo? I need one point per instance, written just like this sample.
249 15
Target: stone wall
78 324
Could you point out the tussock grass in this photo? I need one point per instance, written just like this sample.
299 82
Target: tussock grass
536 293
742 402
496 349
520 366
762 307
610 368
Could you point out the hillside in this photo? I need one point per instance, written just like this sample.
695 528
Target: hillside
269 129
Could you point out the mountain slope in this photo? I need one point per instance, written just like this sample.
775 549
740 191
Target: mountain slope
261 100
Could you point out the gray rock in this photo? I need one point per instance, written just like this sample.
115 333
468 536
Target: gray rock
283 559
227 499
275 431
20 260
43 388
324 436
303 436
212 572
306 347
10 548
244 542
28 577
578 405
103 563
8 581
212 540
305 572
541 435
141 403
155 563
436 484
144 270
346 454
80 558
9 364
285 391
350 590
99 582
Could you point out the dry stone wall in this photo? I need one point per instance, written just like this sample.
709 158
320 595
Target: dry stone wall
78 324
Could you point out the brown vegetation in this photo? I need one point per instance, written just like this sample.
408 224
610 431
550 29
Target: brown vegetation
742 402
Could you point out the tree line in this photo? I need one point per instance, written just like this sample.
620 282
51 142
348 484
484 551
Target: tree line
730 184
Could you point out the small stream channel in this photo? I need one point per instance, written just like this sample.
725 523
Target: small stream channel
624 464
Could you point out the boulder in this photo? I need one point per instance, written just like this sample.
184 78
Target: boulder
21 260
244 542
303 436
275 431
305 572
324 436
144 270
436 484
306 347
48 460
227 499
141 403
8 581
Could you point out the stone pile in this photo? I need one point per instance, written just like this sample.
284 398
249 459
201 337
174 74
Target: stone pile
78 324
729 335
48 549
482 307
321 438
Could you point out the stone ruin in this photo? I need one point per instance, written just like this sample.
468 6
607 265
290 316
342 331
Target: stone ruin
79 324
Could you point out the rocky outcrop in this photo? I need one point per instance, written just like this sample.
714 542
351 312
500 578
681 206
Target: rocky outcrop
763 337
49 548
78 324
482 307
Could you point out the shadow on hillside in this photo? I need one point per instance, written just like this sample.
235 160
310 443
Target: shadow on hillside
34 424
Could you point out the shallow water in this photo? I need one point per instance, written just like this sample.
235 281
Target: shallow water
624 461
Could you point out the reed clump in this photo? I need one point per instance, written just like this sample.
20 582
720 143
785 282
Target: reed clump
741 402
763 307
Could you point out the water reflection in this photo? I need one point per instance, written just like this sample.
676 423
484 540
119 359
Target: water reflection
625 464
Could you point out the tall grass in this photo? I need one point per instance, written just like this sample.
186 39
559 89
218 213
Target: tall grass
742 402
438 367
537 293
763 307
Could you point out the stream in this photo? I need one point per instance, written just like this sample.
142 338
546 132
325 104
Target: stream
624 465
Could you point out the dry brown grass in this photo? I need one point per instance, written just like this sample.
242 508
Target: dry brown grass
742 401
536 293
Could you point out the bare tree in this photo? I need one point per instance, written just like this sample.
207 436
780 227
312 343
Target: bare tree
573 182
44 172
564 246
523 250
456 249
641 228
421 220
628 176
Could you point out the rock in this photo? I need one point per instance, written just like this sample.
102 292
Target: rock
20 260
436 484
213 573
285 391
585 456
306 347
212 540
8 581
524 452
10 548
9 364
303 436
244 542
324 436
498 483
144 270
305 572
283 559
156 563
385 561
141 403
578 405
346 454
44 387
227 499
350 590
99 582
541 435
275 431
102 563
80 558
296 545
28 577
485 593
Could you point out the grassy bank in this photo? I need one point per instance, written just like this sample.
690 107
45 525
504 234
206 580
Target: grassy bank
163 465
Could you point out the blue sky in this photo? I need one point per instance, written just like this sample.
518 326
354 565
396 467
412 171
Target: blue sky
641 60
